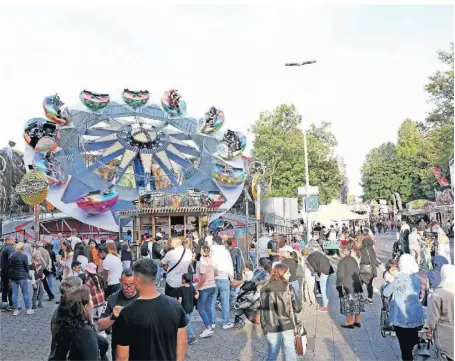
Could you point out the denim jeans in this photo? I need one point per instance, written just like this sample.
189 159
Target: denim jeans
296 286
50 281
326 283
223 289
189 328
159 272
204 305
233 293
23 284
277 340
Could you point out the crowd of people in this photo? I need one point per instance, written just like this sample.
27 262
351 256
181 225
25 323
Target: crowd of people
104 292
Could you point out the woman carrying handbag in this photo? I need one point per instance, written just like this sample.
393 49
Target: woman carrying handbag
279 305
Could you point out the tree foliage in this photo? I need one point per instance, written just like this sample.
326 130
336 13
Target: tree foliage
405 167
278 142
441 91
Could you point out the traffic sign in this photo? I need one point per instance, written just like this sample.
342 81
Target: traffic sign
312 190
311 204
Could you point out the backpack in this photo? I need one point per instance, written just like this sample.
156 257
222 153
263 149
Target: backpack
145 249
156 251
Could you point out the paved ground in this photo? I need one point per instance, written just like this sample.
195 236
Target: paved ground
28 337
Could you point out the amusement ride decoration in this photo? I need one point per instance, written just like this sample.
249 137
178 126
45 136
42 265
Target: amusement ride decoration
33 188
99 160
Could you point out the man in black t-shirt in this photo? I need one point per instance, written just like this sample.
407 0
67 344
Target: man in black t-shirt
116 302
272 248
153 327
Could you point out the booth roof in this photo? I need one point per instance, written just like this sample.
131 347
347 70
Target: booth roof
335 211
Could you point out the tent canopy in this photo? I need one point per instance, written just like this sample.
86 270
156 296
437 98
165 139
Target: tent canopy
335 211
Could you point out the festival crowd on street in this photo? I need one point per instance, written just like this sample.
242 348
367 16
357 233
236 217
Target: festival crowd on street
111 306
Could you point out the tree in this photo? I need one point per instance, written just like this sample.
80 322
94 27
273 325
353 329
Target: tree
441 91
278 142
380 177
420 146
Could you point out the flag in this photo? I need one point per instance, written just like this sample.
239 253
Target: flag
443 182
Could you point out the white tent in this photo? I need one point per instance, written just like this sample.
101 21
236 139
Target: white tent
335 211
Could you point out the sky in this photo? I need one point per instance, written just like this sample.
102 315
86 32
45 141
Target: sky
372 62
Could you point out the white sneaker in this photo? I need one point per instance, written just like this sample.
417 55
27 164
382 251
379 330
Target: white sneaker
228 326
30 311
206 333
16 312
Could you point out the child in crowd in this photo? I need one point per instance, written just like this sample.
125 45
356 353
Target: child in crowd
125 255
247 273
96 286
76 270
37 273
187 295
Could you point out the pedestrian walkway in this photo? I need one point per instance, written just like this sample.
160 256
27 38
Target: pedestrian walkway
25 338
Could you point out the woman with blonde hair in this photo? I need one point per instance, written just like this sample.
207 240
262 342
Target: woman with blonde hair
207 289
37 274
279 305
67 258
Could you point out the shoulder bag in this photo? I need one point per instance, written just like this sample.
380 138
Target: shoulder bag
300 341
366 268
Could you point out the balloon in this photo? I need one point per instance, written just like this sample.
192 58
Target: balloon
47 164
94 101
33 188
56 111
97 202
233 145
228 177
213 121
37 128
173 104
135 98
46 144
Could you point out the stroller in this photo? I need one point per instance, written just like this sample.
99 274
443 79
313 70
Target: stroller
248 300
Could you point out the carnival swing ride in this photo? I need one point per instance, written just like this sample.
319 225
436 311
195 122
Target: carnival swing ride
105 160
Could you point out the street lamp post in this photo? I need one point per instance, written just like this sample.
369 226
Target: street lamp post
305 148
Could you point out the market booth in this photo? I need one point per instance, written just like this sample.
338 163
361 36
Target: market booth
334 212
169 221
171 215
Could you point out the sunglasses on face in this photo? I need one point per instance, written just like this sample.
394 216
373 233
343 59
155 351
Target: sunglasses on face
127 285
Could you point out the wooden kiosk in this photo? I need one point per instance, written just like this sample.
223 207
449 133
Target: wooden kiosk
171 215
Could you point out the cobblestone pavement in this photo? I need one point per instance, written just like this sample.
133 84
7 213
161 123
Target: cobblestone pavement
28 337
